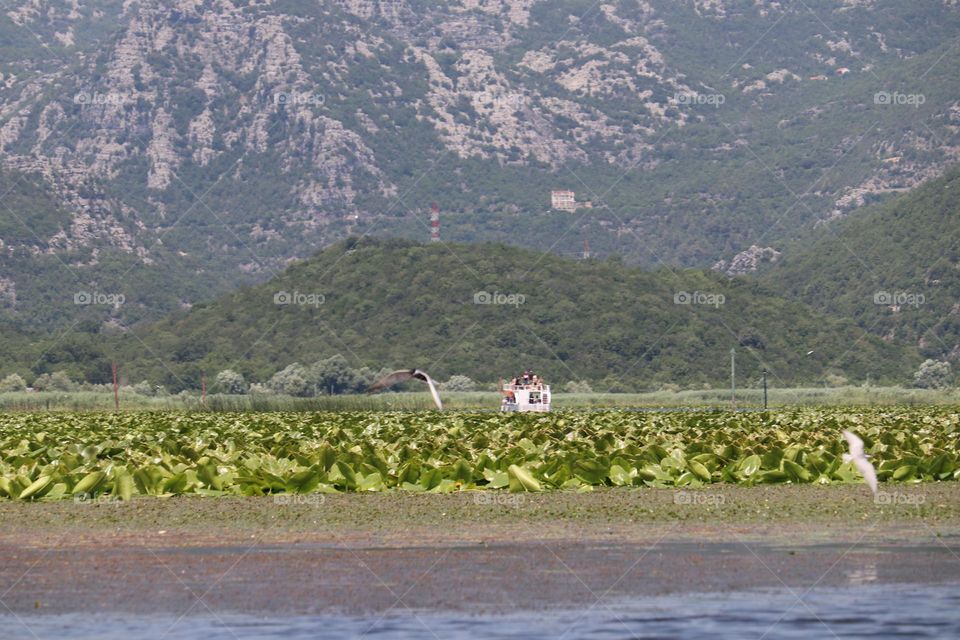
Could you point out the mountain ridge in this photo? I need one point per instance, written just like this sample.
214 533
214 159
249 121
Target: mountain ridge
197 148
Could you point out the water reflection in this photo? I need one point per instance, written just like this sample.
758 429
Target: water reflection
864 574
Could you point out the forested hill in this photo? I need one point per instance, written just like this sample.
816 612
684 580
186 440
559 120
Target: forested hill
487 310
894 267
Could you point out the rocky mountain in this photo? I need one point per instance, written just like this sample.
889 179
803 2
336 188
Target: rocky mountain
190 146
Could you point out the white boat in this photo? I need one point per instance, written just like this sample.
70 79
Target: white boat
519 397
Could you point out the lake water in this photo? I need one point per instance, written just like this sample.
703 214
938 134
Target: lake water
901 611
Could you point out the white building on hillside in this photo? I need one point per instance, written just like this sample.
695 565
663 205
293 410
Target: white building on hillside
563 200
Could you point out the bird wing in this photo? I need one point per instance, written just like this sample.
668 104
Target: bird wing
391 379
422 375
855 444
403 375
868 472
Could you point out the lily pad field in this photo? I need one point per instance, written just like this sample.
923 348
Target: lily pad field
122 455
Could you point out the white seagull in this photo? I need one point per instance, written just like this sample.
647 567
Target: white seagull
860 460
402 376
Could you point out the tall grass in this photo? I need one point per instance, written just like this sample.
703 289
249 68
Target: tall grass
480 400
385 402
99 401
86 401
776 398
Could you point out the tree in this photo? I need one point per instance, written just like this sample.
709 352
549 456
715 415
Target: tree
12 382
291 381
229 381
56 381
366 377
42 382
612 384
459 383
257 389
578 387
835 380
60 381
933 375
333 375
142 388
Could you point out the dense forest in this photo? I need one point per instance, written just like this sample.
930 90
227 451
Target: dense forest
894 268
486 311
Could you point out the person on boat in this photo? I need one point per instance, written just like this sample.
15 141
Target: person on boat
509 397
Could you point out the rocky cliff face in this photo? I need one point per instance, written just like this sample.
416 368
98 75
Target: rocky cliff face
747 261
230 136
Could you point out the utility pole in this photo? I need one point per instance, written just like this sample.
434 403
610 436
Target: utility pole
116 393
764 389
733 377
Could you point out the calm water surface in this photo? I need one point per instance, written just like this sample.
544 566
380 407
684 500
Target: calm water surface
900 611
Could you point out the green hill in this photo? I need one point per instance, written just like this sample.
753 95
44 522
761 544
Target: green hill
391 303
894 268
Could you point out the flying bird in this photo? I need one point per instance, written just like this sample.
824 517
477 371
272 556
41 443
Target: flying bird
402 376
860 460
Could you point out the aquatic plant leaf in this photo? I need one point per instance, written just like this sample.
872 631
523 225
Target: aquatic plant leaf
522 480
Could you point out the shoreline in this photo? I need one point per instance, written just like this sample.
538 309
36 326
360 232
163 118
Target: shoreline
784 512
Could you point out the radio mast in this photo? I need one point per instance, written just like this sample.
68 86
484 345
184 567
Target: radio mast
434 223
